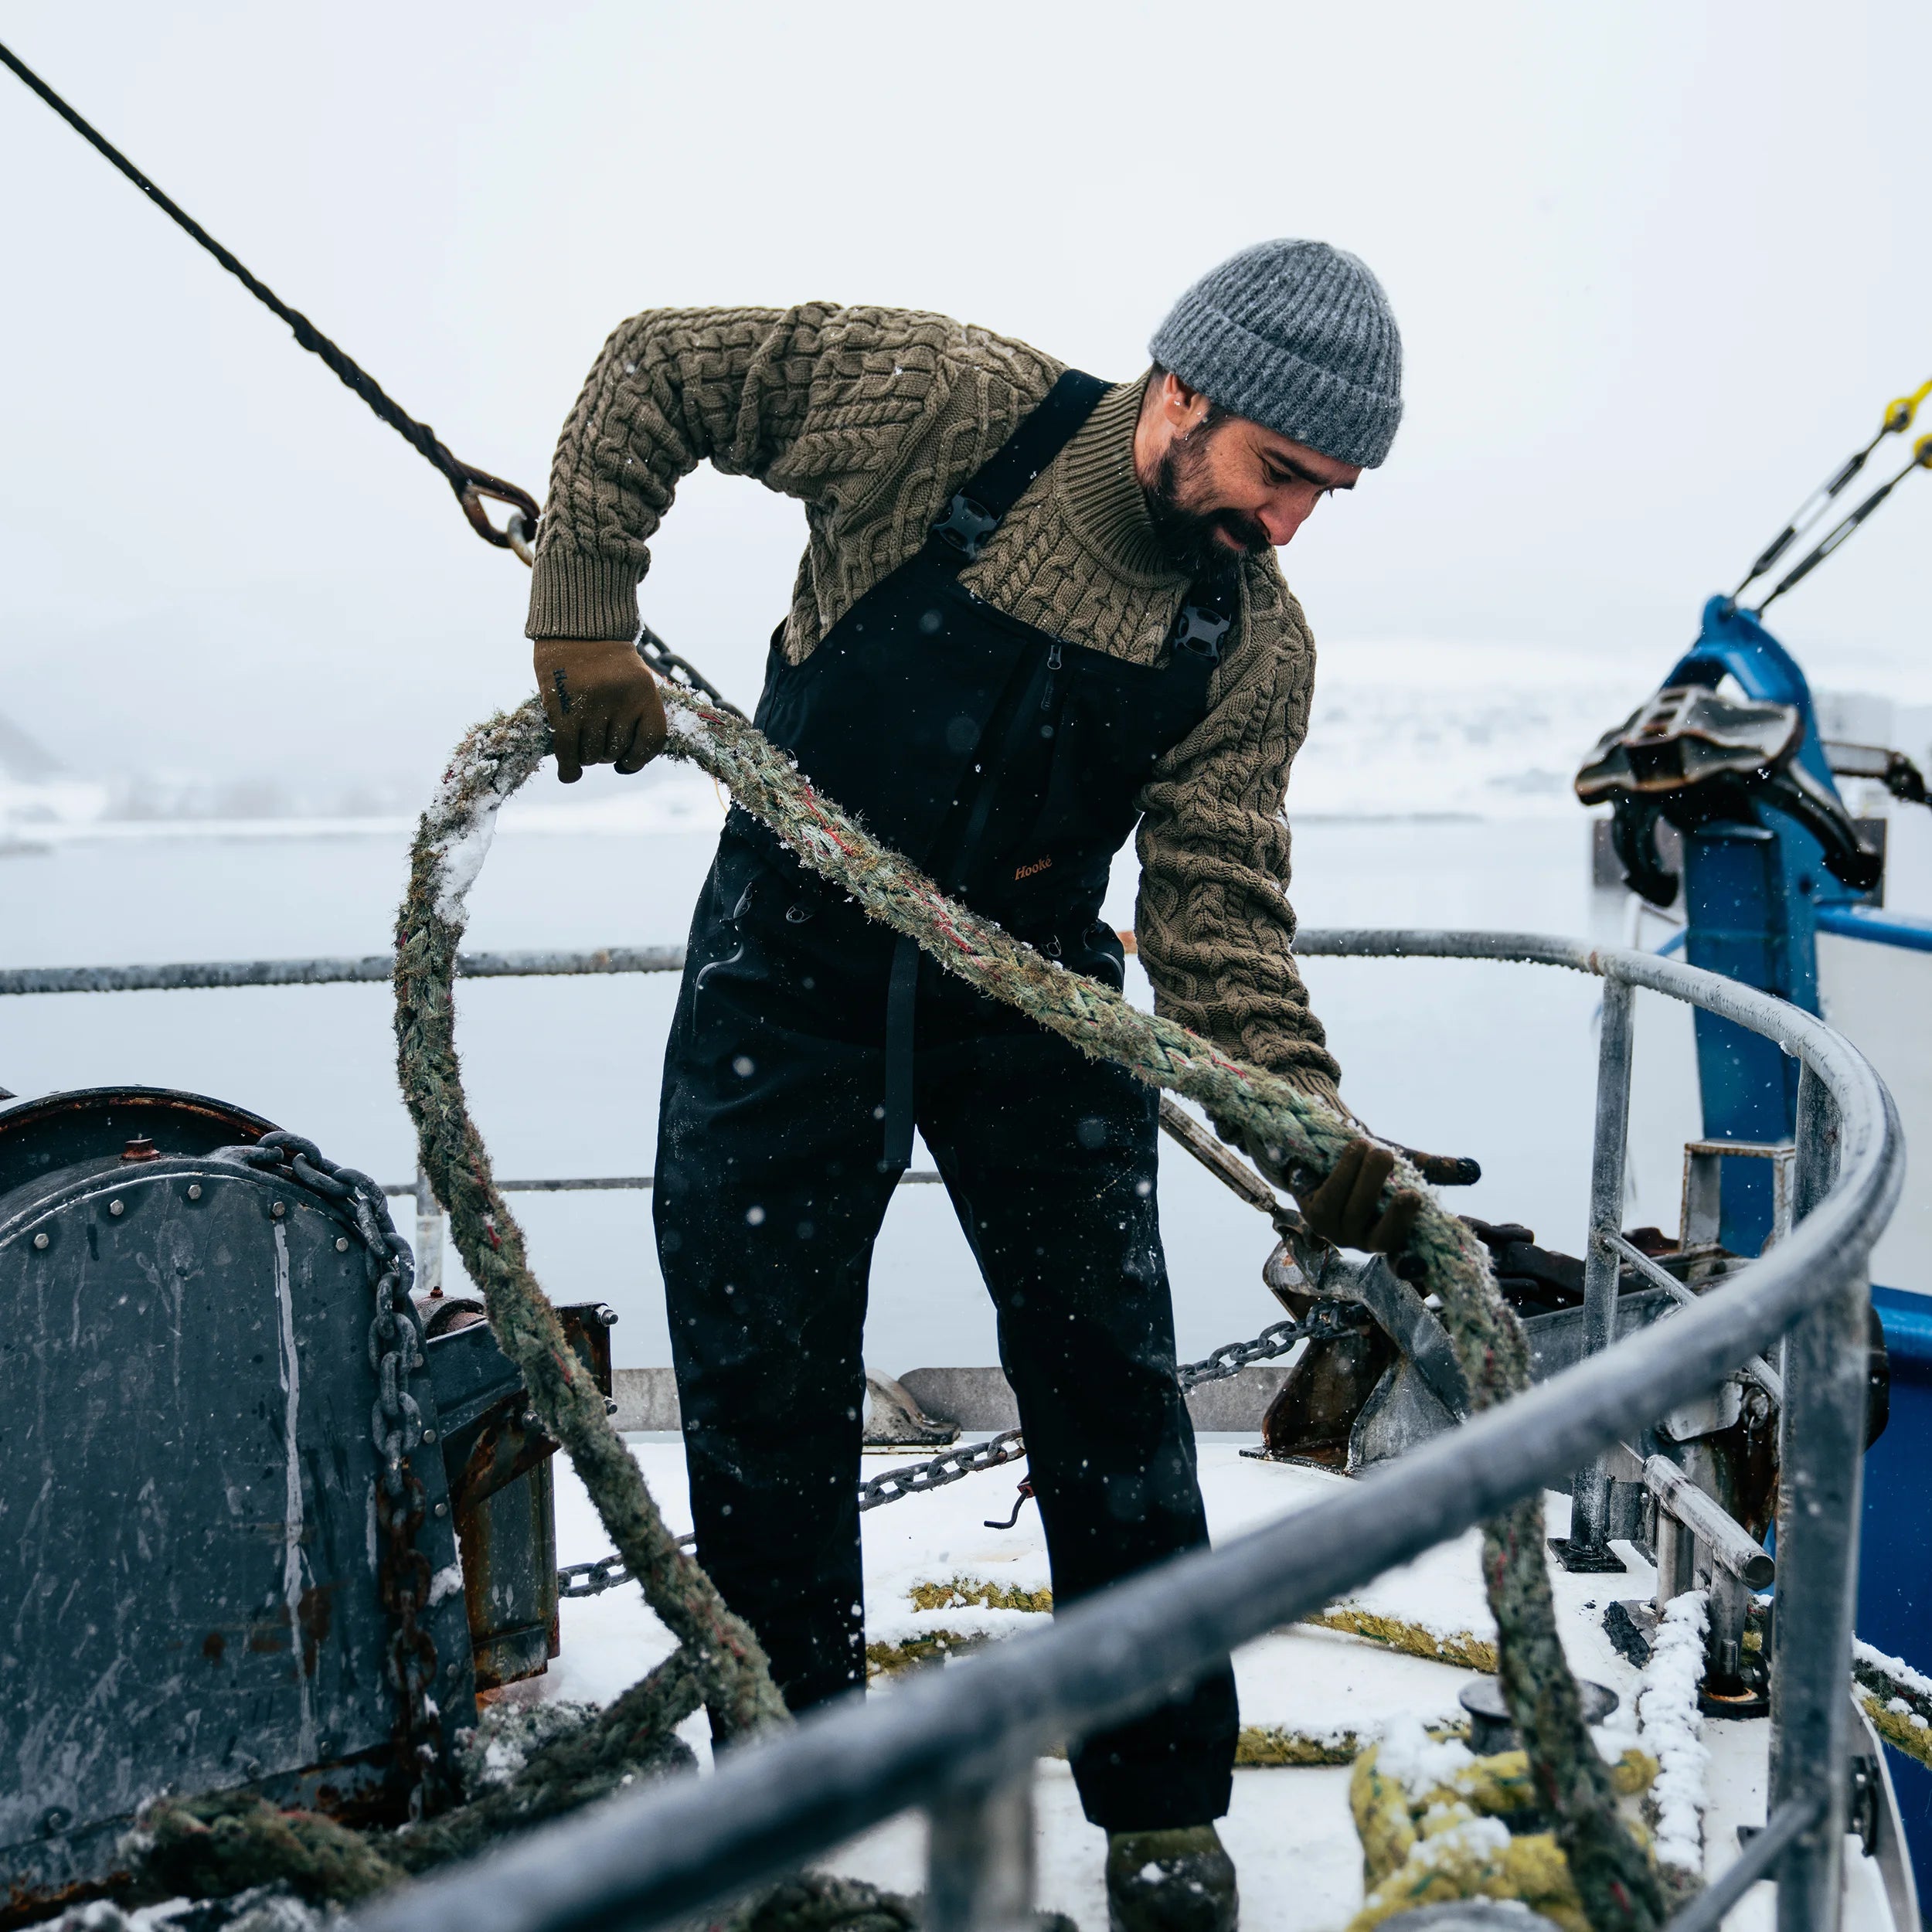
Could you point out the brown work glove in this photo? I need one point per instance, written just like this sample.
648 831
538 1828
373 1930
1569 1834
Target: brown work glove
602 703
1341 1209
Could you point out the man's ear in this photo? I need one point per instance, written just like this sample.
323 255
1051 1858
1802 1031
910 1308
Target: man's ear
1181 408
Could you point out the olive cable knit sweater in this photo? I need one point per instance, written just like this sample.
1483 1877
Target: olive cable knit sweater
872 417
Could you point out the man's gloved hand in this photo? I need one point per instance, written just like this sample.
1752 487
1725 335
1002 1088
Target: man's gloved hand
1343 1210
602 703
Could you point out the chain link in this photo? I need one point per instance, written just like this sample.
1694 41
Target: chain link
1326 1320
915 1479
396 1429
668 664
591 1579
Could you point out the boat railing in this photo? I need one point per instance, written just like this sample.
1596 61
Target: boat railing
960 1744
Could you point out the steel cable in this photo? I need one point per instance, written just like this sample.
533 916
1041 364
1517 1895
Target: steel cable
470 484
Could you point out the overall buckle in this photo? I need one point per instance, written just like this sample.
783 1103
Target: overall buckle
1201 631
965 526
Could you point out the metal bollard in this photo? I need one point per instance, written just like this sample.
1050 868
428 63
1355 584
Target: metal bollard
1676 1558
1698 1543
979 1858
429 1237
1730 1611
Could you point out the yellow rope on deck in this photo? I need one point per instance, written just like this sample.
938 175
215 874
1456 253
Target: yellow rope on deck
1451 1842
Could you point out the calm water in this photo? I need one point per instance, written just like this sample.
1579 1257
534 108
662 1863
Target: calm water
1493 1061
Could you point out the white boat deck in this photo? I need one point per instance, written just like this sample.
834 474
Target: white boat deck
1290 1831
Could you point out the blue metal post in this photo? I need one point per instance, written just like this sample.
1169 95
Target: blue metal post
1752 893
1750 920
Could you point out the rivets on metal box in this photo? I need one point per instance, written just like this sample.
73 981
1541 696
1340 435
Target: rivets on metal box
40 1241
341 1244
279 1209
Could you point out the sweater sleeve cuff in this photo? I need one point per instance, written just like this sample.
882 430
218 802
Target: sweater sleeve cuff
580 597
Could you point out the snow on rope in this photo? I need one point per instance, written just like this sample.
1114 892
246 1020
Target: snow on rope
1897 1698
1617 1883
1672 1730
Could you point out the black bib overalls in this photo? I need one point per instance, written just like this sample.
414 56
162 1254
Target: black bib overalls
807 1041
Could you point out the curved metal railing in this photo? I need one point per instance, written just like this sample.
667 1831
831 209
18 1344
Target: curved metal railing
961 1744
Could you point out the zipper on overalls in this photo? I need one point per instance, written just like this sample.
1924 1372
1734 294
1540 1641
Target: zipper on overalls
1052 665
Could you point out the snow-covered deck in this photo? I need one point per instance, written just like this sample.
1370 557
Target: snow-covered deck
1289 1831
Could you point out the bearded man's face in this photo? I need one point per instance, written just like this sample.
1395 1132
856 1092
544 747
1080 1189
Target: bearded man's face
1199 534
1226 489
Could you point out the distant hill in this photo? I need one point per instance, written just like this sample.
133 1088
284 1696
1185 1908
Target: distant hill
23 759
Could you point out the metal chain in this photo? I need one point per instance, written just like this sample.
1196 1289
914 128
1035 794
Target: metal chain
915 1479
667 664
396 1429
1326 1320
1232 1357
591 1579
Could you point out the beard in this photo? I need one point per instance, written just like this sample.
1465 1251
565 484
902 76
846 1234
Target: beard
1194 535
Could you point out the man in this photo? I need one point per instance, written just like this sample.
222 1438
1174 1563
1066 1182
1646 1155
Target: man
1034 610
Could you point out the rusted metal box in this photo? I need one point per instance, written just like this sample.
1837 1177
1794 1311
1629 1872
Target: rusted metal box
500 1481
190 1594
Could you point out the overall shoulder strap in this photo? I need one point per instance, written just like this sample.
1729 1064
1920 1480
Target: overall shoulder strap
976 508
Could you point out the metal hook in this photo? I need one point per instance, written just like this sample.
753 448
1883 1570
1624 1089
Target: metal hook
1020 1503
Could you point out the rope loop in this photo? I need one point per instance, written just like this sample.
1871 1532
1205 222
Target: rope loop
1615 1878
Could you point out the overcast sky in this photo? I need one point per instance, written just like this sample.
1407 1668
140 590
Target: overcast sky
1657 268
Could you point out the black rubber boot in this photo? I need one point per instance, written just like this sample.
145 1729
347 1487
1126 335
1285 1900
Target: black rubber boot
1175 1881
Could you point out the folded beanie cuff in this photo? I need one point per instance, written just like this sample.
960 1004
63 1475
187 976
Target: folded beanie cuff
1272 386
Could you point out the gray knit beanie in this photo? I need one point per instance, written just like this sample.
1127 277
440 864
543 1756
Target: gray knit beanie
1298 337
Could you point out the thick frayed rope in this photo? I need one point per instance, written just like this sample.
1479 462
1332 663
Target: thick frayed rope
1897 1698
1617 1884
724 1658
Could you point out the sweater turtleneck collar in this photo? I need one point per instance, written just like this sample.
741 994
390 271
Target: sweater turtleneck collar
1094 478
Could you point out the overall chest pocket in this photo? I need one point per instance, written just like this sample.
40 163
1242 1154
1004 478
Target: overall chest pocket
1114 723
